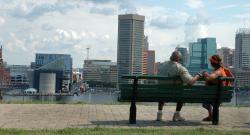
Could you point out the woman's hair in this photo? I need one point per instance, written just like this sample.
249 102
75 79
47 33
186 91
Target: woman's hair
216 61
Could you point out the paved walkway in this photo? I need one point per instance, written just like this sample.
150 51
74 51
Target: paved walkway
56 116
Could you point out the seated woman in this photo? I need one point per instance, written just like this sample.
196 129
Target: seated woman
219 70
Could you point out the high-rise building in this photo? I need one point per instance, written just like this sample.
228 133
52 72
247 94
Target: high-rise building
57 67
242 57
199 52
145 62
242 49
184 54
130 45
148 58
227 56
145 43
149 62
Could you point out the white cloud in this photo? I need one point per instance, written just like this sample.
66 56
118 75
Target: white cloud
194 4
106 36
62 34
224 33
104 11
227 6
168 22
92 34
196 27
47 27
2 20
246 5
31 10
123 6
242 16
127 6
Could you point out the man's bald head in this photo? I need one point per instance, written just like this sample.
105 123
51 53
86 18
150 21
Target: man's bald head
176 56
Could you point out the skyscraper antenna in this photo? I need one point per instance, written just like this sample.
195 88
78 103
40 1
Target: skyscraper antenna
87 53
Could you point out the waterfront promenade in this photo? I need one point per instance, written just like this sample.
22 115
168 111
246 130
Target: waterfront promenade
58 116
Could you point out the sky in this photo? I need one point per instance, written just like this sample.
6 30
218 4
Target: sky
70 26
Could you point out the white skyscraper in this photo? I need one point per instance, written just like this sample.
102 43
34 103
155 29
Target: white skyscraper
130 44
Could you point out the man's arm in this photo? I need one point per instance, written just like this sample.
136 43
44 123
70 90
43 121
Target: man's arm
186 77
194 79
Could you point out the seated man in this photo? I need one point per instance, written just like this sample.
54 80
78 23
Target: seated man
174 68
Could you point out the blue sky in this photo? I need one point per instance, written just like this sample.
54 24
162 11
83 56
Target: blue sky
70 26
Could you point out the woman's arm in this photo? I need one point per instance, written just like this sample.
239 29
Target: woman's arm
211 77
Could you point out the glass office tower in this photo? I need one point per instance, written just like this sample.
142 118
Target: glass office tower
199 52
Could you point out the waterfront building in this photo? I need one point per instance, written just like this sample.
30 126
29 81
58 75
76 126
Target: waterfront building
53 66
19 74
130 45
100 71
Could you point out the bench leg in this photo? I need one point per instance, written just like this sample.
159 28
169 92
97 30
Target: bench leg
215 119
132 114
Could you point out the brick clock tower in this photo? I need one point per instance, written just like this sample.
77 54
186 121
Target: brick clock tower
4 72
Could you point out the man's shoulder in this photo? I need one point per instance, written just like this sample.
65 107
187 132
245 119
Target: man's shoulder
174 64
170 63
178 65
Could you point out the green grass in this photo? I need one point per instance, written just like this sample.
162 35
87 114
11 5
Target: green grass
111 131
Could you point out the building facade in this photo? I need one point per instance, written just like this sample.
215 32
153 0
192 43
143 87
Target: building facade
242 57
59 65
19 74
149 62
227 56
199 52
130 45
100 71
184 54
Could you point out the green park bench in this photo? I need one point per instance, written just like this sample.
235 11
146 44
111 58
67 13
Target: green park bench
171 89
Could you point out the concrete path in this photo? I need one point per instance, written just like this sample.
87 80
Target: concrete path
57 116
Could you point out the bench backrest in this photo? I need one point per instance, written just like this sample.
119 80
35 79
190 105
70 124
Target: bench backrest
171 89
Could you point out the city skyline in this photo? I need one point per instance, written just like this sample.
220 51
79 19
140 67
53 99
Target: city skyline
58 26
